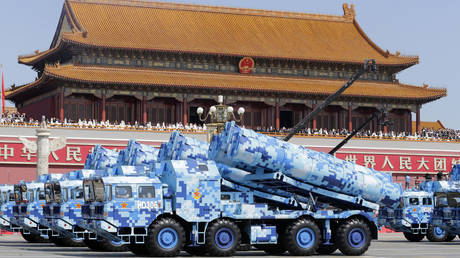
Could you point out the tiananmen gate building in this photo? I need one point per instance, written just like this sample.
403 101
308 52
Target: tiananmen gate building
157 62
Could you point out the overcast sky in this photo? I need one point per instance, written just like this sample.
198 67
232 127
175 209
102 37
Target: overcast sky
429 29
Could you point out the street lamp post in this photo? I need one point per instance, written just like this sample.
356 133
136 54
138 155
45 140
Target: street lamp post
219 115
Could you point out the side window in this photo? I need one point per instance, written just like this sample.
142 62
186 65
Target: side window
146 192
41 195
31 196
109 192
11 197
64 193
413 201
77 194
427 201
123 191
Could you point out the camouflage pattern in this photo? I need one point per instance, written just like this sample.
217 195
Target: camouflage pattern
63 216
6 206
263 234
257 153
137 154
180 147
101 158
446 213
412 216
245 187
27 215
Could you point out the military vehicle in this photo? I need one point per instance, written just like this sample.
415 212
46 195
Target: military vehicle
28 208
253 189
6 206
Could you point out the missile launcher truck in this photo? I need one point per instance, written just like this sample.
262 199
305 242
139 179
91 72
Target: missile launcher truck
64 198
6 206
414 215
28 208
446 214
249 189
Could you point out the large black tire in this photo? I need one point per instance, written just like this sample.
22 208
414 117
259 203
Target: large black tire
64 241
34 238
326 249
413 237
450 237
166 238
353 237
138 249
103 246
222 238
436 234
301 238
277 249
195 250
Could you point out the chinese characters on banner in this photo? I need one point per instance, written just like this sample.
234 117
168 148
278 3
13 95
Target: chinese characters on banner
404 163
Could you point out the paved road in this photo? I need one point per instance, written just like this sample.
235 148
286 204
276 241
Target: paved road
389 245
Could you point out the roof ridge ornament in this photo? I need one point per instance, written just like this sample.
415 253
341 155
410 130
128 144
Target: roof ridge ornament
349 12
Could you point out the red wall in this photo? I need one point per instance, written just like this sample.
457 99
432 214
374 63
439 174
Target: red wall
42 107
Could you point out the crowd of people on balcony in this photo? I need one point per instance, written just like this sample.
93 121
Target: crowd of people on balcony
20 119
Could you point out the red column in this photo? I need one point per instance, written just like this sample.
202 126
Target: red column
61 106
184 111
417 119
144 110
277 116
350 121
314 118
103 107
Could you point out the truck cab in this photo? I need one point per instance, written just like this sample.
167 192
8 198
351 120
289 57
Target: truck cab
6 206
447 206
64 199
117 207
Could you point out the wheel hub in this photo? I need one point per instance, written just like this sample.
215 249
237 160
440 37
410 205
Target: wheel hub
356 237
224 238
305 237
167 238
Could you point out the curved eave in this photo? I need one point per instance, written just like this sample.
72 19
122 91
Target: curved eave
12 93
34 59
402 60
254 83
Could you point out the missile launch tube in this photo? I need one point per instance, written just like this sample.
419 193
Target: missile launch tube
252 152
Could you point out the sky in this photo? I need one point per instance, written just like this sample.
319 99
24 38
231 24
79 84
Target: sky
429 29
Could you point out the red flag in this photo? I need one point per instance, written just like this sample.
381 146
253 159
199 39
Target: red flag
3 94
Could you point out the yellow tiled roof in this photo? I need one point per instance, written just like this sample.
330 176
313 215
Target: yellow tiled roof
220 30
152 77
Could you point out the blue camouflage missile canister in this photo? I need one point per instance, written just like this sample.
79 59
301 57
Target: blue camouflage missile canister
138 154
101 158
253 152
180 147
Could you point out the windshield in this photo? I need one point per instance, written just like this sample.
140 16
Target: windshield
99 190
94 190
57 192
440 199
49 193
453 199
88 191
77 193
20 193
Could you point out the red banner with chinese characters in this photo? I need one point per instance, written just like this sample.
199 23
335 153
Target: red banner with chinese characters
73 155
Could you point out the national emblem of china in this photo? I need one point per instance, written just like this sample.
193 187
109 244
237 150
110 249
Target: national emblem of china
246 65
